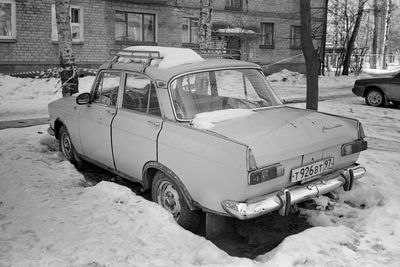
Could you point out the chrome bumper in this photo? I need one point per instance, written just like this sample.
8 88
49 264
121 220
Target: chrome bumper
282 200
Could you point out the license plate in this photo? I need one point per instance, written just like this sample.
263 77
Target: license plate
311 170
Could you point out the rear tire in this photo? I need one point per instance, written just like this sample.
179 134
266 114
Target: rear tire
166 193
68 149
375 98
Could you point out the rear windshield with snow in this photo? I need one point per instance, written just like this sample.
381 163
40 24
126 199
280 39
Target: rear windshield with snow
220 90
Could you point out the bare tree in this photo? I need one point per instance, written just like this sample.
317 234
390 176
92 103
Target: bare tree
68 70
205 23
375 35
353 37
310 54
386 32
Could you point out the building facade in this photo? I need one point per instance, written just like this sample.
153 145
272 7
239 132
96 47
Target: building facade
264 31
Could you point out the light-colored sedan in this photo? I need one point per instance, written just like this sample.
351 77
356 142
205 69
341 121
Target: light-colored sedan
205 135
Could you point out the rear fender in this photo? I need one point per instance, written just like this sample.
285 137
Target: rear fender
148 174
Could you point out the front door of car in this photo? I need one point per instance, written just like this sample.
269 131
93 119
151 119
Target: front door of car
394 90
95 119
136 126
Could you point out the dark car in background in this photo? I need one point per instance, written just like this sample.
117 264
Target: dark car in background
378 91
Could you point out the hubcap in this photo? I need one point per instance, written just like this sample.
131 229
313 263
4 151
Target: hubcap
375 98
168 198
66 145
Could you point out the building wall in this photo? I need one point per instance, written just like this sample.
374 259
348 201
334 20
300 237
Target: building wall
34 48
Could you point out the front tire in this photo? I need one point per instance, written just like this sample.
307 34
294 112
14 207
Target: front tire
166 193
68 149
375 98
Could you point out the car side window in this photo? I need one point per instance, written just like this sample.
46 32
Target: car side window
140 95
106 90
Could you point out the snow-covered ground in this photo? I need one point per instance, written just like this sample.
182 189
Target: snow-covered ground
49 218
292 85
28 98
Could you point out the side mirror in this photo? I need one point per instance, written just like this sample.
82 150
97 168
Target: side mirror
83 99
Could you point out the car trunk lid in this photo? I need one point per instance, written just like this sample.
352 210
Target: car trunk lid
280 133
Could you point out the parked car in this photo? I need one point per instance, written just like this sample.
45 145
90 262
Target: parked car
378 91
205 135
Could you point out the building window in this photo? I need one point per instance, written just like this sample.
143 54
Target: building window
190 31
76 20
295 37
136 27
7 20
233 4
267 31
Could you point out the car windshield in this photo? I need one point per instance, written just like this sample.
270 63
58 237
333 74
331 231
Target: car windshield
220 89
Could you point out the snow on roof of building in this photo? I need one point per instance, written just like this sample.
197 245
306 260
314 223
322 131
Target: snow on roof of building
172 56
236 30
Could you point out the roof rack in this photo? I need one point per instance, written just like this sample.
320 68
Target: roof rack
134 56
218 53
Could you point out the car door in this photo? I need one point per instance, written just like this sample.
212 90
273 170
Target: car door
136 126
394 89
95 118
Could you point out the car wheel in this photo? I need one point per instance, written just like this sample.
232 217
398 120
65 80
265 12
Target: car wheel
167 194
375 98
67 148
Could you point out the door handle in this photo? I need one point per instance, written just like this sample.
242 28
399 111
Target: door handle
155 123
111 111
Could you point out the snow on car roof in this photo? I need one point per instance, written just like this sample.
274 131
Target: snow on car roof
176 61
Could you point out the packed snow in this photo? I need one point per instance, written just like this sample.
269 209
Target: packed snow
207 120
49 217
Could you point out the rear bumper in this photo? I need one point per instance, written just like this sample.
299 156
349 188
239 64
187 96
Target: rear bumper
282 200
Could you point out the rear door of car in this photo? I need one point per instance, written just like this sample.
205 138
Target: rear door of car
95 119
394 90
136 126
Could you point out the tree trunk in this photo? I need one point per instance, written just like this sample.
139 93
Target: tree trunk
323 41
350 44
375 36
68 70
386 32
310 55
205 24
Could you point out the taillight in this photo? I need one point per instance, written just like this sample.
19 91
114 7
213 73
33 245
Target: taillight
354 147
251 160
361 134
266 174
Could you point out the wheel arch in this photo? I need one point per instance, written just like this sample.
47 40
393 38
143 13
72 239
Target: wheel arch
374 87
58 123
149 171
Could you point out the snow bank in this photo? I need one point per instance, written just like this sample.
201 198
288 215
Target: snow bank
28 98
318 246
172 56
286 76
49 219
207 120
